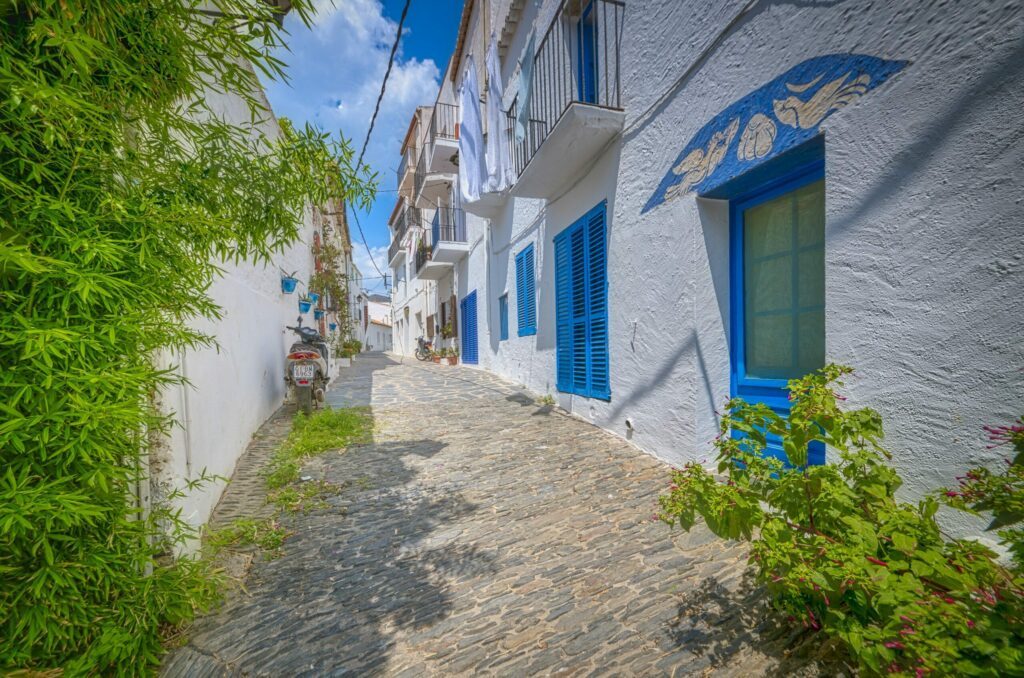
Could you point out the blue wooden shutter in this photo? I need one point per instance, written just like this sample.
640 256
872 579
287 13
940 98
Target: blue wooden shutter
503 316
470 354
563 314
526 294
597 281
581 307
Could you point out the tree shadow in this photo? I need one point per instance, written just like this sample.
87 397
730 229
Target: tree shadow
720 623
377 561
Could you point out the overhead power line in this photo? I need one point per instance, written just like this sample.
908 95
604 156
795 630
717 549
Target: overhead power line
373 120
384 84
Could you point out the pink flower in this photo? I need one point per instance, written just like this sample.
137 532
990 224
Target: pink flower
970 624
951 493
895 645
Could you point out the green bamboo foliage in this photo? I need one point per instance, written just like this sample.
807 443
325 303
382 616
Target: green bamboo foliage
120 190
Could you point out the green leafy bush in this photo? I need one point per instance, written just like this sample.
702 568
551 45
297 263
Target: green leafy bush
839 553
121 192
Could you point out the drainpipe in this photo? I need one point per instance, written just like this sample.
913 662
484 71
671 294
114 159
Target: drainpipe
186 420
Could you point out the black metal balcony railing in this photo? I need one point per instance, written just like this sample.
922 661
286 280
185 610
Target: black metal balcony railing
449 226
408 217
404 166
444 123
421 174
396 244
422 255
577 61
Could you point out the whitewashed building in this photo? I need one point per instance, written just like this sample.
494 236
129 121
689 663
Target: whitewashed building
710 197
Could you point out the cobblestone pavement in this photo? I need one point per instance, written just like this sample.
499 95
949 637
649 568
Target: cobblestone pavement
480 533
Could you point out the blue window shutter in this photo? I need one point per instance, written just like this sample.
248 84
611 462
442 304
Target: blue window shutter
563 314
470 354
526 298
581 307
503 316
597 280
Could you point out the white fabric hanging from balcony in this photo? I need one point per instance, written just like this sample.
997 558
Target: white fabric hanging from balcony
499 165
525 87
472 167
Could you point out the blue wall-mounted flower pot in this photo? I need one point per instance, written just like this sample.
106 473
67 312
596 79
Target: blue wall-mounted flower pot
314 297
333 326
305 305
288 284
318 313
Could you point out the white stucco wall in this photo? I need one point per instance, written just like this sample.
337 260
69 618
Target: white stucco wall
924 256
238 384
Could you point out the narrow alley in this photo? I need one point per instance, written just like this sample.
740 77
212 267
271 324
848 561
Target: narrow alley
481 533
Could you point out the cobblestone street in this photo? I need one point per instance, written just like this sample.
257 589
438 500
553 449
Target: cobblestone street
482 533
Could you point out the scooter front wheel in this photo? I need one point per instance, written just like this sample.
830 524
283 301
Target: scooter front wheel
422 355
304 396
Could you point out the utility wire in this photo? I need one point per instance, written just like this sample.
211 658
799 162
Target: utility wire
373 120
383 85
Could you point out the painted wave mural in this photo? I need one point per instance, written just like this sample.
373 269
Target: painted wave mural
770 120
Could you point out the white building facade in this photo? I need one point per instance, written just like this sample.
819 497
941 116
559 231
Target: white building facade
711 198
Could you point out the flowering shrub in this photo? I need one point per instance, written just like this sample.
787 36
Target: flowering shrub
840 554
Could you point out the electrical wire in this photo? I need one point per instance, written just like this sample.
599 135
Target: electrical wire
373 120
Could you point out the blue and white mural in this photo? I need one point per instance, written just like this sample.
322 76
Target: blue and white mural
773 118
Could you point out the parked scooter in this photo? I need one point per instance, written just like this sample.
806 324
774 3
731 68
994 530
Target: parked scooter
423 349
306 369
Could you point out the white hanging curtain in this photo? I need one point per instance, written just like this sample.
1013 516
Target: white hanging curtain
525 86
472 168
499 165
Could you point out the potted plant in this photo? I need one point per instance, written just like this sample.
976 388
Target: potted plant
318 313
436 356
288 282
305 303
332 326
314 298
447 332
453 355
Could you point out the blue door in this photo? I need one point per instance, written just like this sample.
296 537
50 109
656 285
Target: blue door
777 261
470 353
586 56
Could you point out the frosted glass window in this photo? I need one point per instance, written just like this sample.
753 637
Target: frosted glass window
784 284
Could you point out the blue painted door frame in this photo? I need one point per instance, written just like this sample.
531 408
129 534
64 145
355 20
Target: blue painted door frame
771 392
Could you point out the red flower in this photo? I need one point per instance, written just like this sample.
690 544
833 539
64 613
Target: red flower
895 645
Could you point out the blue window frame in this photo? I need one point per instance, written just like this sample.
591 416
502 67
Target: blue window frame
777 289
586 54
581 307
503 317
526 292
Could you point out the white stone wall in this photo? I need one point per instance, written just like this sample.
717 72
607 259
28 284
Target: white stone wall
238 384
924 256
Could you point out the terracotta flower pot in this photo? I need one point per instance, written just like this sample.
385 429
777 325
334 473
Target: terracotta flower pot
436 359
453 360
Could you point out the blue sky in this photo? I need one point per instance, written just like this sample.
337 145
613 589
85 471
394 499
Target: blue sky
335 71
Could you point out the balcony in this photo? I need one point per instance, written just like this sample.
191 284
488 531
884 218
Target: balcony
441 142
407 217
431 188
448 235
575 109
406 170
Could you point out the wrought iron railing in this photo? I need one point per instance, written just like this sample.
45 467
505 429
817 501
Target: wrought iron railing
423 253
444 123
403 167
577 61
449 226
421 174
409 216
